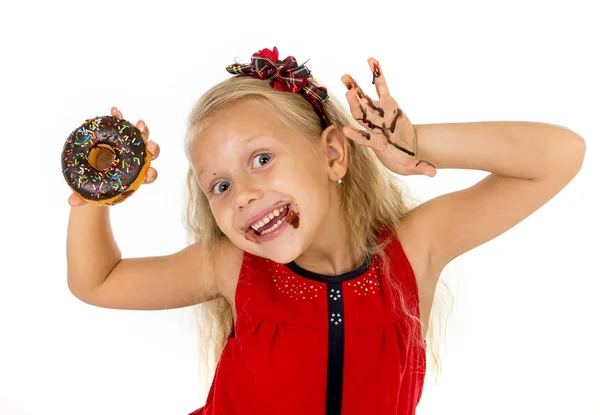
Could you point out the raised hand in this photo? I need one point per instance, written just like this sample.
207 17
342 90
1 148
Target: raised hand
388 131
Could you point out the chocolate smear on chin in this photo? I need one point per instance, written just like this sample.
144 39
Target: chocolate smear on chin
293 219
250 237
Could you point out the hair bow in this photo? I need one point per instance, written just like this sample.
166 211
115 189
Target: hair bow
286 76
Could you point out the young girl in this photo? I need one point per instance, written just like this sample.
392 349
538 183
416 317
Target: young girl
316 269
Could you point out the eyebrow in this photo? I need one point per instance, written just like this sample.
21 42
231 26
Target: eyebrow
244 142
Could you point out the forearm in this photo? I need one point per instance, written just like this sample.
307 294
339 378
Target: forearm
528 150
92 251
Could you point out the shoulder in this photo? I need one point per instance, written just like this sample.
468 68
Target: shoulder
414 242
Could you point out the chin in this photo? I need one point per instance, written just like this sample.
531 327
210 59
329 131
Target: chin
284 249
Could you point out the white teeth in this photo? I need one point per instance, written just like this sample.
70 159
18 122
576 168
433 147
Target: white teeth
268 218
272 228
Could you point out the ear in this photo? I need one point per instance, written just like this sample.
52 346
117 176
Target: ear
335 147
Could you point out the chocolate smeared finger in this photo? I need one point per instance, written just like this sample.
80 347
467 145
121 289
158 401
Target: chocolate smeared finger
374 107
410 153
398 113
365 134
359 91
366 121
385 131
364 115
371 125
376 72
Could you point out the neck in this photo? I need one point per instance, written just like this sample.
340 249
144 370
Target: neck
329 252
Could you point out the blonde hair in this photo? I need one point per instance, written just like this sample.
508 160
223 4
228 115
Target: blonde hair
371 198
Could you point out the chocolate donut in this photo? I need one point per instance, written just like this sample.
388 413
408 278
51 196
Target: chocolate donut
113 184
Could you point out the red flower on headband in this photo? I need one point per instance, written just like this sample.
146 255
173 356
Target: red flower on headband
284 74
267 53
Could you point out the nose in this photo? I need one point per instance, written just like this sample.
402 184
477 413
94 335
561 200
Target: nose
246 192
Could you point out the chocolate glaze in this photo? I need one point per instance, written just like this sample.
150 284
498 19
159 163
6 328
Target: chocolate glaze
125 141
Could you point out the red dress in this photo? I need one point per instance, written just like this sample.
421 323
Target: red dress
311 344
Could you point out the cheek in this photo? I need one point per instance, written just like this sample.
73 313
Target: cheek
298 174
310 190
218 216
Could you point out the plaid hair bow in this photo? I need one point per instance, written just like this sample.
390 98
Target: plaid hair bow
286 76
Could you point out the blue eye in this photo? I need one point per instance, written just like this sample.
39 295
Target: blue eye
261 157
262 154
213 189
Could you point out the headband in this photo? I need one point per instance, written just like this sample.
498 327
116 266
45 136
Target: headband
286 76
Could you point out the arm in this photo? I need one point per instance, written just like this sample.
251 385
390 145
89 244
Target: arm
529 164
97 274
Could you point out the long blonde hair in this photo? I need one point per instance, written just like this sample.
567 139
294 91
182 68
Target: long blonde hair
371 197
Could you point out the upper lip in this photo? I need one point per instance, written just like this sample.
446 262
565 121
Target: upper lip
264 213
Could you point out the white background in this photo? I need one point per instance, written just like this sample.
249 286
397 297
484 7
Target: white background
523 337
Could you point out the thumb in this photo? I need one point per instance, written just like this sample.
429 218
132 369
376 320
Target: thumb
76 200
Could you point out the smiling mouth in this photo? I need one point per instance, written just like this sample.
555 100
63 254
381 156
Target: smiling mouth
283 216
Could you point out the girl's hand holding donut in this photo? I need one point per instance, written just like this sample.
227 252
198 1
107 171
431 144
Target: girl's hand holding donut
105 158
388 131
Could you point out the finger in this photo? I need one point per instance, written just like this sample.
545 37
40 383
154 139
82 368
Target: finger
352 84
426 168
355 108
153 148
76 200
365 100
378 78
115 112
368 116
141 125
420 167
151 175
375 140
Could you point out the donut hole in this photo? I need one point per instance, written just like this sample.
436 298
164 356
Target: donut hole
101 157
